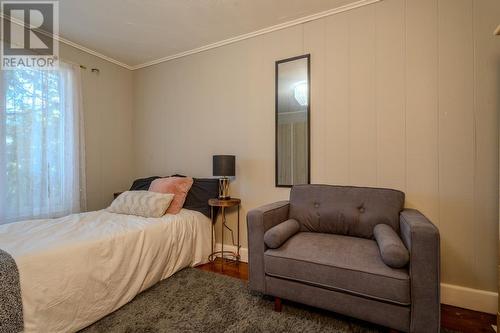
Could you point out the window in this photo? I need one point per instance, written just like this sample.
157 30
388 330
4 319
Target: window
41 144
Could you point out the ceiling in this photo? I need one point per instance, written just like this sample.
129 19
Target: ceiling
136 32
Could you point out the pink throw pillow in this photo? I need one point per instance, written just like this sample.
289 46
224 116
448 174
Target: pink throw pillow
179 186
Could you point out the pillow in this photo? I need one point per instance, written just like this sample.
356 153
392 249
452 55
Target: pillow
392 250
197 197
179 186
279 234
142 184
202 190
141 203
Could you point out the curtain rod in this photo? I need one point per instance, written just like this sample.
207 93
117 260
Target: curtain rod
93 70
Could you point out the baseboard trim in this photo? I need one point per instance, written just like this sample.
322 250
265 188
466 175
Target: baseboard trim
463 297
468 298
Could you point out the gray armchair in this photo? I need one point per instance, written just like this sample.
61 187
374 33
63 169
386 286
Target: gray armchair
351 250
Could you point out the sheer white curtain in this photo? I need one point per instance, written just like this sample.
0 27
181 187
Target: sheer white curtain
42 162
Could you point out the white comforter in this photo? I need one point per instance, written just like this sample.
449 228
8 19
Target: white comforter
77 269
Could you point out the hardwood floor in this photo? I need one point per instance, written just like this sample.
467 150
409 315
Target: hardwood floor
453 318
466 320
233 269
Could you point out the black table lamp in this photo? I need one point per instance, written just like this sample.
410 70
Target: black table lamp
224 167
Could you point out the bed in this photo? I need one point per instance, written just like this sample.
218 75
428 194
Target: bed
77 269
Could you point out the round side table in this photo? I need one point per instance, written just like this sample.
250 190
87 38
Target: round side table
223 205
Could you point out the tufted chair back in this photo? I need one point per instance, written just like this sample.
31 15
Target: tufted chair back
345 210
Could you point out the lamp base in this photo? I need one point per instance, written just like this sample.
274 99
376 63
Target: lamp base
224 188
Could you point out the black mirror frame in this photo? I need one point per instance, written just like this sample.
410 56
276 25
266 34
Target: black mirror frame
308 57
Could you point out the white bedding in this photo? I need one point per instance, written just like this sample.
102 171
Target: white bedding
77 269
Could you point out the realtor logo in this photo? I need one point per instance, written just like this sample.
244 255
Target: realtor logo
28 30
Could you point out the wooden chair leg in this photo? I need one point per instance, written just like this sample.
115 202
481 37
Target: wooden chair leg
277 304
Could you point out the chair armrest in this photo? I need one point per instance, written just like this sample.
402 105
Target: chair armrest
259 220
421 238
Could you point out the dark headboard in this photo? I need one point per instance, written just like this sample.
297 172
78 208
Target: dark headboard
197 197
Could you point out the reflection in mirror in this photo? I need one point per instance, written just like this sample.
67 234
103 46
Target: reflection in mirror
292 121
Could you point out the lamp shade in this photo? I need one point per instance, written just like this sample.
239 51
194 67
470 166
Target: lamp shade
224 165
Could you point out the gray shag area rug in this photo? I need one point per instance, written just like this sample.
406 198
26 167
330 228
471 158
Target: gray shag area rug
197 301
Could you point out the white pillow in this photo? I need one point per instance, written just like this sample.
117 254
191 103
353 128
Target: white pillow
141 203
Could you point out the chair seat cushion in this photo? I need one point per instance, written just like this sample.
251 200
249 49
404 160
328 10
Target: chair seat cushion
342 263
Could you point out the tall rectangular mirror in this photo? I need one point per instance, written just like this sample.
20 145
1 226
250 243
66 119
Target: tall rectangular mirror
293 121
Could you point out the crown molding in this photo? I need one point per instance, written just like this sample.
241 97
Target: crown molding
277 27
94 53
68 42
305 19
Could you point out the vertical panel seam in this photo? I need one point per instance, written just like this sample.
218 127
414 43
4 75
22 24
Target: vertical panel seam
438 104
474 133
303 38
325 107
349 108
405 78
375 104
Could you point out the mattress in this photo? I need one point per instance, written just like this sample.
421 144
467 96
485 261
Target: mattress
77 269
